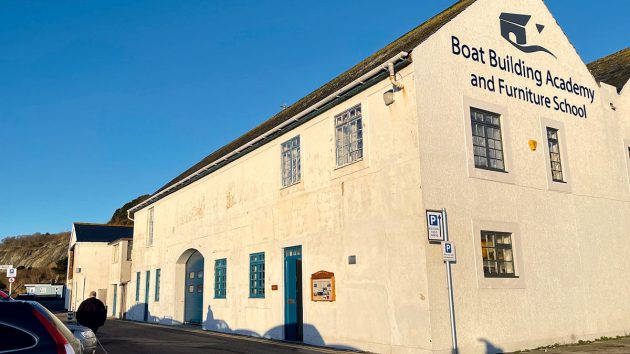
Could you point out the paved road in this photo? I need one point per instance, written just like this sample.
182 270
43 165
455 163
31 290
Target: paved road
130 337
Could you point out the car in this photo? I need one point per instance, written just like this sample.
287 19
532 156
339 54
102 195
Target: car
85 336
4 296
28 327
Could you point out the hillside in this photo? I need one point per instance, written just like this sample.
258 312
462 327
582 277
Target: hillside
39 258
120 215
43 258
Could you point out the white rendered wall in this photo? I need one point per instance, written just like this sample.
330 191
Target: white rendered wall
570 239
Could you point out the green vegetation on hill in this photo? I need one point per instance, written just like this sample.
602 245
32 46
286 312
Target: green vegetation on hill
120 215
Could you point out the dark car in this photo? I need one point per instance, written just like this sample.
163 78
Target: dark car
28 328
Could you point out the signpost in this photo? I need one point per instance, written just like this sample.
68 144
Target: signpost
437 227
11 274
448 254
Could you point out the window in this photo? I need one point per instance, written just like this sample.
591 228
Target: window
220 277
554 155
349 136
257 275
129 250
497 253
150 228
291 167
15 339
486 137
115 253
138 286
157 284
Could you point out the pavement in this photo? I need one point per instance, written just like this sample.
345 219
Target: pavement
608 346
118 336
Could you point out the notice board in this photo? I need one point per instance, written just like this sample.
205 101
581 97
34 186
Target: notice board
323 286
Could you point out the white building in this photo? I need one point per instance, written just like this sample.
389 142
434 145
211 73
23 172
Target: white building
44 290
485 110
99 259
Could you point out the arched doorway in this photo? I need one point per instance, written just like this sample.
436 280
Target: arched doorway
193 296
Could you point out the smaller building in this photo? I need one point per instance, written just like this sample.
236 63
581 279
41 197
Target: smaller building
119 276
99 259
47 290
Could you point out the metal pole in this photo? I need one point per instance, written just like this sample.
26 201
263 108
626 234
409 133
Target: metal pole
449 279
10 288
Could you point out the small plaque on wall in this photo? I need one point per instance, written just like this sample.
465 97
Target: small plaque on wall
323 286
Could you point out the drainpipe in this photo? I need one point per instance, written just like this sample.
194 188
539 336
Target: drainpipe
129 217
392 76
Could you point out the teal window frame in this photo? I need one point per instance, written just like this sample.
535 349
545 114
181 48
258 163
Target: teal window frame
158 273
220 278
137 286
257 275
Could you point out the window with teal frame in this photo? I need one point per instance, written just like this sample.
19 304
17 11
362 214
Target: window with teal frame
220 278
157 284
257 275
138 286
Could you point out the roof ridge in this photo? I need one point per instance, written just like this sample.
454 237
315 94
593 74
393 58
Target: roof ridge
405 43
97 224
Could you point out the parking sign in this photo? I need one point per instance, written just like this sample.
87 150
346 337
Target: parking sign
448 251
434 225
11 273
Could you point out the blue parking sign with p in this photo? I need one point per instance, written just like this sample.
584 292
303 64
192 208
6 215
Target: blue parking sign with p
434 225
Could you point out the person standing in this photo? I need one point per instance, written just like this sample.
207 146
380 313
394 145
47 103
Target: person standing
91 313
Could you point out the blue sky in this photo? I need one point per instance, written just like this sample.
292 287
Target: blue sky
102 101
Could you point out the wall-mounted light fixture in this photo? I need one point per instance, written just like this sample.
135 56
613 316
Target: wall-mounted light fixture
388 97
532 144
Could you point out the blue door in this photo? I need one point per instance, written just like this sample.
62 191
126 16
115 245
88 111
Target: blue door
193 304
146 295
115 300
293 325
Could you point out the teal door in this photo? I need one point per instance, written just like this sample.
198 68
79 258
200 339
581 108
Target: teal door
193 300
146 295
293 325
115 300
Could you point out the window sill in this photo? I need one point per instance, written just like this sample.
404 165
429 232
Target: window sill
500 276
291 185
349 168
338 167
490 169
